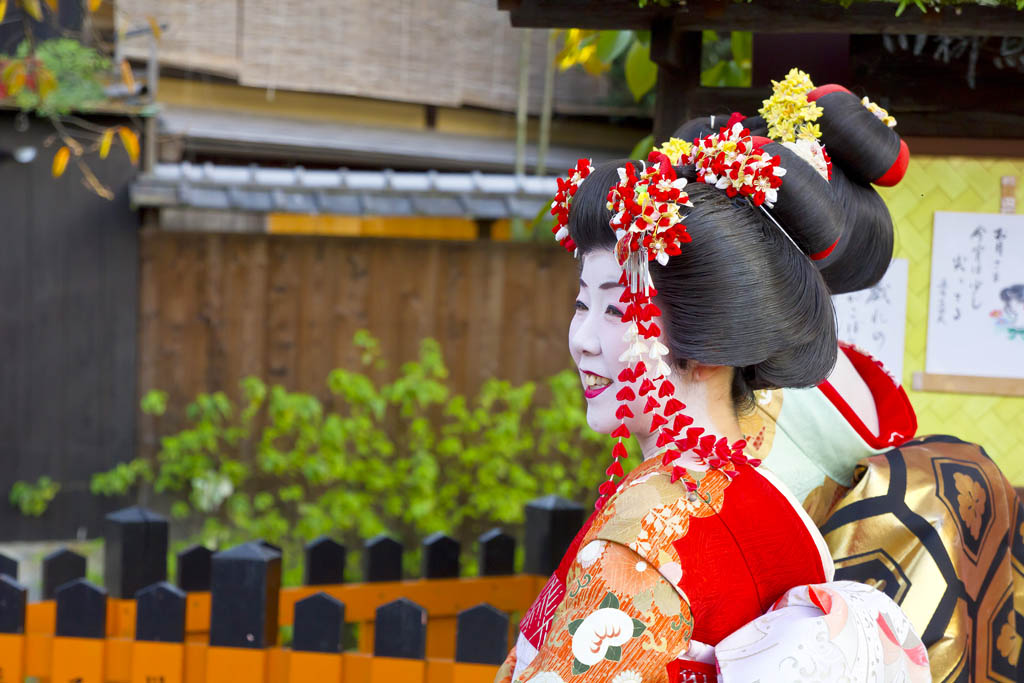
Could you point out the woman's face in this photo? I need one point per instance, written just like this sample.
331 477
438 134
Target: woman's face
596 340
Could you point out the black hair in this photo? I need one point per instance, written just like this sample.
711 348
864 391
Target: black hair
745 293
1010 293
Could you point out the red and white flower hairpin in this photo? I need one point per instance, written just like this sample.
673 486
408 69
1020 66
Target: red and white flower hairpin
731 161
563 200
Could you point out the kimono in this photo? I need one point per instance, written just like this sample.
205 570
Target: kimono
929 521
730 582
661 574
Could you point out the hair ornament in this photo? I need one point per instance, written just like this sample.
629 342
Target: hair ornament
814 154
882 114
788 113
732 161
563 201
676 149
647 206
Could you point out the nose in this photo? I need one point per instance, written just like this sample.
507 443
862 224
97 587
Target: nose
583 339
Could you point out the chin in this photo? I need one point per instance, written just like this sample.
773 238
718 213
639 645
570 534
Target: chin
601 415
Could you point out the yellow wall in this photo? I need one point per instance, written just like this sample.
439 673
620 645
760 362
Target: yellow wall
952 184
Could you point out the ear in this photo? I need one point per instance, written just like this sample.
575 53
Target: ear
699 372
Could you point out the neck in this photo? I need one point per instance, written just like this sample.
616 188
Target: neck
711 409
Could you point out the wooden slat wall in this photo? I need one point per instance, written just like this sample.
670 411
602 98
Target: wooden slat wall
215 308
68 278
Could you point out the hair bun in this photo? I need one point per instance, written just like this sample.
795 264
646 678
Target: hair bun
869 150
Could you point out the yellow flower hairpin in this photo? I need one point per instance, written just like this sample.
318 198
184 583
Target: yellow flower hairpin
788 113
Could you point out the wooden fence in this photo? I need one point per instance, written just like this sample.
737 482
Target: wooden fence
220 624
215 308
69 280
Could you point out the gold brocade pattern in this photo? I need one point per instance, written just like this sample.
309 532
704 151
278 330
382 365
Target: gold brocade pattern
936 526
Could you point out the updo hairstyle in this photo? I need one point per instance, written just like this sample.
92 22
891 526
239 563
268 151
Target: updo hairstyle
741 293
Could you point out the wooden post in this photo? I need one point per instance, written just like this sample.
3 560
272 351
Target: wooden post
400 642
135 551
78 647
440 557
382 559
440 561
551 524
194 565
482 635
325 562
13 598
677 54
497 553
159 649
60 567
8 566
316 643
246 585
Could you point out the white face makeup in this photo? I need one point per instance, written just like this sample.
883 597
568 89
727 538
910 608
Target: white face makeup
596 342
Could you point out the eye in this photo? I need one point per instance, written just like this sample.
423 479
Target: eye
580 306
612 311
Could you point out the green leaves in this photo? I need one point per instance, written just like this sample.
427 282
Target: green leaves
406 456
641 72
612 44
154 402
726 61
32 499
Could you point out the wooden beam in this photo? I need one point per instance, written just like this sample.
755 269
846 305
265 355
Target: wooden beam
767 16
962 384
677 54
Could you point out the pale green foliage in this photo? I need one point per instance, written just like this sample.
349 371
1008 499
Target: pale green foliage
406 457
33 499
78 69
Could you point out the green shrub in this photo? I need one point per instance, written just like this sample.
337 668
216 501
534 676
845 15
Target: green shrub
407 457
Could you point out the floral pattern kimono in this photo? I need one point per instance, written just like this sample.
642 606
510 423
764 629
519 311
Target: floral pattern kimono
661 574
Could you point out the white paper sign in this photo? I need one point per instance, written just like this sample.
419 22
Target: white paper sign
875 319
976 303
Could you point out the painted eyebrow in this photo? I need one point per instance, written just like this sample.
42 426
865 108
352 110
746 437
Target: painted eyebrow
604 285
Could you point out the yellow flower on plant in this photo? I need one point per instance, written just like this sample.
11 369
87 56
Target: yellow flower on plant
580 47
675 149
788 113
971 501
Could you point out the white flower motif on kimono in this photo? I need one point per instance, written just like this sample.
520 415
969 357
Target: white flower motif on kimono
628 676
590 554
605 628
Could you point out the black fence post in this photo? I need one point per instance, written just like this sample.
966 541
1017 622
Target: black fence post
319 624
135 550
551 524
400 630
59 567
440 557
13 597
382 559
325 562
245 585
8 566
481 635
81 610
160 614
497 555
194 567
